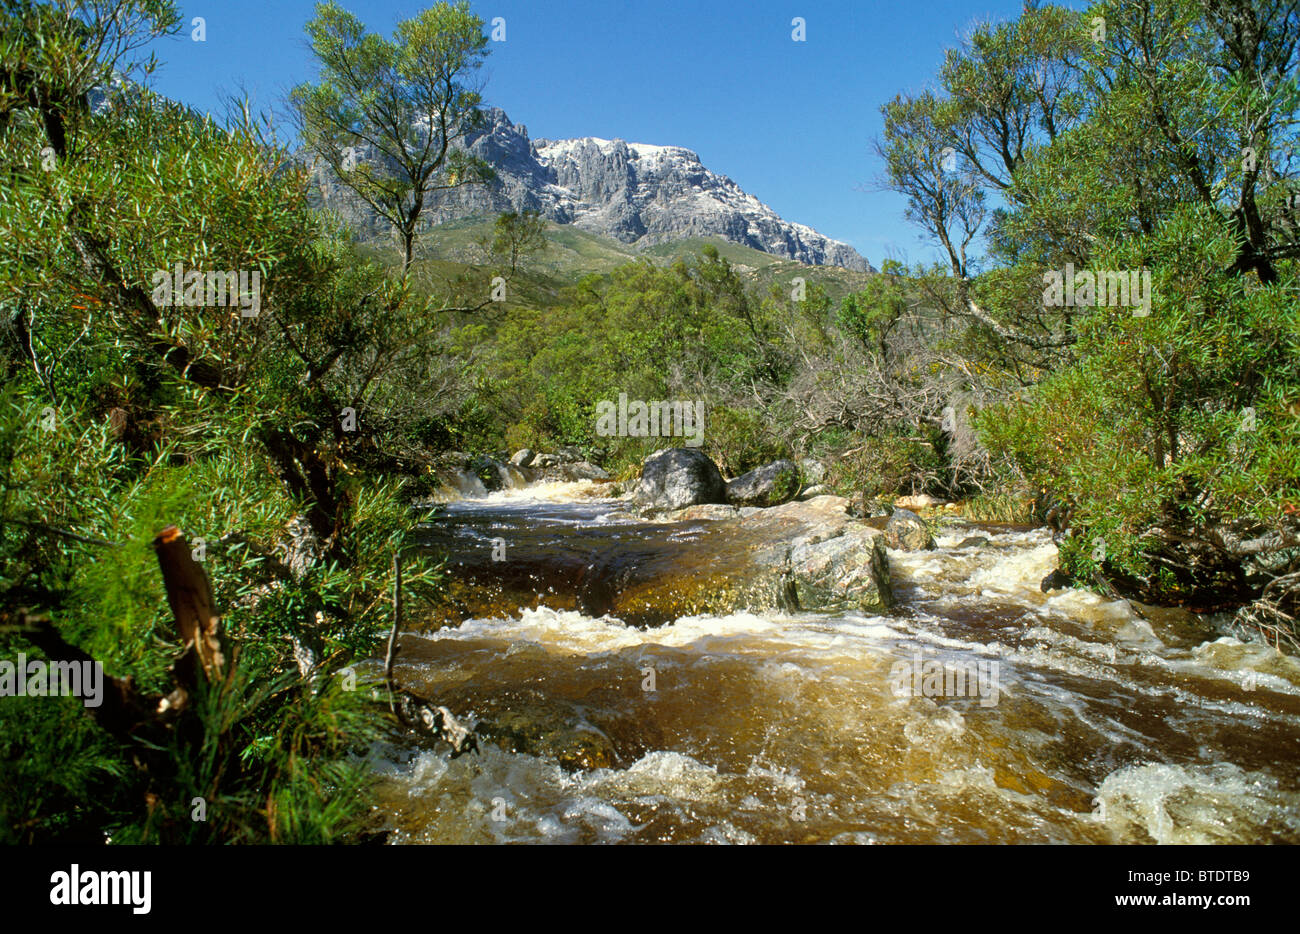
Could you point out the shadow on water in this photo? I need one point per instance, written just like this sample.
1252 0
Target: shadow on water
502 557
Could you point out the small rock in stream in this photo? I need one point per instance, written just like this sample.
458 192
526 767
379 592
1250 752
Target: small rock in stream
906 531
1057 580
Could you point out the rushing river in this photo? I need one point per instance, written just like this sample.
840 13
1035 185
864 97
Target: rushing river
1105 724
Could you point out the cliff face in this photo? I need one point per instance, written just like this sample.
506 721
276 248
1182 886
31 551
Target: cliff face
638 194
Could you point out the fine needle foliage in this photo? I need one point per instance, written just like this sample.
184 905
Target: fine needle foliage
126 410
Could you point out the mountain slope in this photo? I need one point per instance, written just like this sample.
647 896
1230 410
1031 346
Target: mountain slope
638 194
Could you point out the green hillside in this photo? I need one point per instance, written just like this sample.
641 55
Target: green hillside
570 252
734 253
451 250
837 281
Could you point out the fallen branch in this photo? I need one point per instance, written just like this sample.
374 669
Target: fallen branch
410 710
397 625
65 533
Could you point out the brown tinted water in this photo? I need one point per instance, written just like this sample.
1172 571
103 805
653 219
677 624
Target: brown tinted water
1099 723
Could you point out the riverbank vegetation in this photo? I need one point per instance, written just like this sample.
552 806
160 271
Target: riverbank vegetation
1158 424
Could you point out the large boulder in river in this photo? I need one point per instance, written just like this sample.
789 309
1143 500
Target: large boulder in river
566 466
847 572
676 477
769 485
493 474
906 531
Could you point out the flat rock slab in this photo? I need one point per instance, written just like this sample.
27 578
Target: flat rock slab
703 559
798 556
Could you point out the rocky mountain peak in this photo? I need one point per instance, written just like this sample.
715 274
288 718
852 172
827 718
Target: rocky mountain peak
637 193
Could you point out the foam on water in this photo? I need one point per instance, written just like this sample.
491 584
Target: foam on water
1219 803
549 491
1111 724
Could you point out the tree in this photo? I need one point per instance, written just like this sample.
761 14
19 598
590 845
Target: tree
872 314
404 102
123 412
1009 90
55 53
1171 153
515 234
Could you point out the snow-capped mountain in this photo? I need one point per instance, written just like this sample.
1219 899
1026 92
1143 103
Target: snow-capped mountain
639 194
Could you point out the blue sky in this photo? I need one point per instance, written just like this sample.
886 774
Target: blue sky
790 122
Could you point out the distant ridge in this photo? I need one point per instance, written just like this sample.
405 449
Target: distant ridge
636 193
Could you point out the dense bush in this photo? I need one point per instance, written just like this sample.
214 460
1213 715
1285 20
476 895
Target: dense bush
123 414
